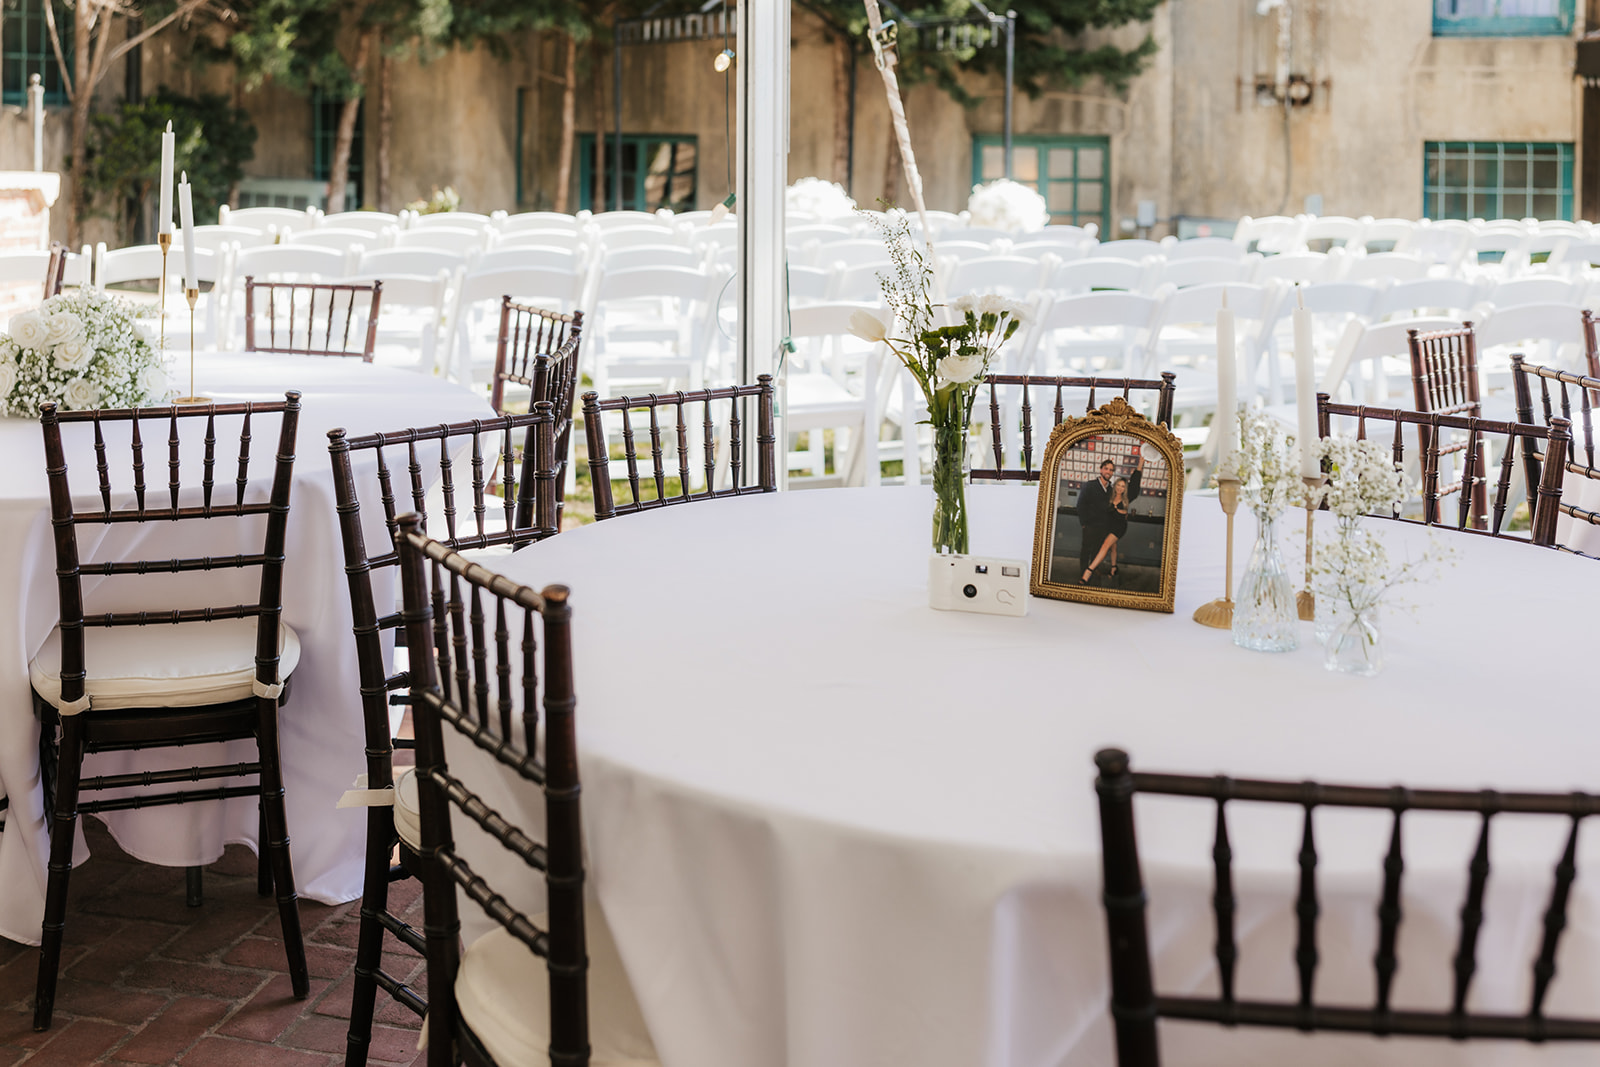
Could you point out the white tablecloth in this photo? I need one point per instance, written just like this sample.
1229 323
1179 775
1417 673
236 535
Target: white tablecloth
833 828
322 741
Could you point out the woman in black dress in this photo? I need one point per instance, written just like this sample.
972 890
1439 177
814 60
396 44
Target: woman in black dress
1124 491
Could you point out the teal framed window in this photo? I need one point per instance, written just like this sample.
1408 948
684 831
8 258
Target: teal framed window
1502 18
25 50
658 170
1497 180
1073 174
324 133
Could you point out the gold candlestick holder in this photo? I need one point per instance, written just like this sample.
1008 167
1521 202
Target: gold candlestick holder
192 295
1305 601
1219 613
165 241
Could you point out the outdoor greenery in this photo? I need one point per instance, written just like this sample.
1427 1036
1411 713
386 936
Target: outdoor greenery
214 140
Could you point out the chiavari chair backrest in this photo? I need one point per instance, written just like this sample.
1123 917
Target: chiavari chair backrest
1542 481
470 618
55 271
1591 347
700 413
1004 410
1444 379
173 502
1136 1006
537 349
504 466
312 318
1580 453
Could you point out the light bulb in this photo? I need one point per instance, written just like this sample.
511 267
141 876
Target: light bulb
723 61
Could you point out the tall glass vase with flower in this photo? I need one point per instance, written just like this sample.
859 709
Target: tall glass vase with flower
947 359
1266 464
1352 573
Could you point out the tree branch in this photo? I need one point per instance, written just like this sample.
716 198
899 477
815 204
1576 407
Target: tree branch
55 44
138 39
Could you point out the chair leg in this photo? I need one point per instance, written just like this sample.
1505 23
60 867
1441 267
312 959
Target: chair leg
194 886
369 946
276 843
63 831
263 861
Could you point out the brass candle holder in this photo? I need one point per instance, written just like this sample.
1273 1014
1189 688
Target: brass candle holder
192 295
1219 613
1305 601
165 241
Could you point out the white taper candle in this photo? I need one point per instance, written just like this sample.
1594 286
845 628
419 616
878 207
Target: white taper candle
164 212
186 217
1227 385
1305 389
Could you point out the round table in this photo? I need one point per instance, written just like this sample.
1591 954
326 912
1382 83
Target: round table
322 739
831 827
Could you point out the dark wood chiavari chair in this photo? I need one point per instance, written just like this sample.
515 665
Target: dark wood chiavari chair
55 271
540 349
312 308
1580 452
230 693
1542 481
1444 379
511 506
1136 1006
1591 348
444 610
1098 388
681 403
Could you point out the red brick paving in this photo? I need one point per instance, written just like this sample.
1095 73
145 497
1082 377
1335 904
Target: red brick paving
147 981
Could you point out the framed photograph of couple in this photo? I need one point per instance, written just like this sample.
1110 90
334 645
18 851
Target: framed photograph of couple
1110 501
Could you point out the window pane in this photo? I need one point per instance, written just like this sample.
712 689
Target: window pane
1061 162
1455 171
25 50
1514 174
1546 174
1455 206
994 162
1430 169
1061 196
1483 176
1483 206
1545 206
1089 196
1546 8
1090 162
1025 164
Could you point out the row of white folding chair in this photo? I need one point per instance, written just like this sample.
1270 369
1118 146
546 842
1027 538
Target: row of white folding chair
30 265
143 264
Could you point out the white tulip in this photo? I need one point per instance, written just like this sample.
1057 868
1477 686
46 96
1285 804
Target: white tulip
28 330
868 327
80 394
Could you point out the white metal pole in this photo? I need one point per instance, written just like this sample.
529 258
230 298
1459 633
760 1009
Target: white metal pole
36 103
763 158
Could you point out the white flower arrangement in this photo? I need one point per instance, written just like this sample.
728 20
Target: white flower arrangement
819 197
1267 465
1008 205
1362 478
82 350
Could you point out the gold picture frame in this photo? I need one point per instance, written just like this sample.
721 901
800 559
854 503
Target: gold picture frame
1132 542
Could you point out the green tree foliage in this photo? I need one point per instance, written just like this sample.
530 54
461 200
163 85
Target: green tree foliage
214 140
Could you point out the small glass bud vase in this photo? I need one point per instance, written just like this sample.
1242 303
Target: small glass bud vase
1355 645
1265 617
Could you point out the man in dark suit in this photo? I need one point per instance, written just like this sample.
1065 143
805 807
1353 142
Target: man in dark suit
1094 515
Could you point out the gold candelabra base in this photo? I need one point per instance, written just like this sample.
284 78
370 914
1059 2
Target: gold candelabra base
1218 613
192 295
1305 601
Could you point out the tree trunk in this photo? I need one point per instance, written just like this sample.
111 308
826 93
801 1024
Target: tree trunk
569 125
597 80
82 97
339 169
385 130
844 56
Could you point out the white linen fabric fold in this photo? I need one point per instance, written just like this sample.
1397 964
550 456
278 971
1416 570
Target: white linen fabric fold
320 725
831 827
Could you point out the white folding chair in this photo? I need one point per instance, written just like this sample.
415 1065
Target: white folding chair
1575 255
653 327
648 257
1274 233
808 285
1445 242
460 240
1015 277
1450 297
452 220
543 257
412 262
370 221
260 218
825 232
984 235
341 240
1372 363
857 284
539 220
608 220
287 263
1201 248
1184 339
1548 334
410 318
1333 306
1333 231
1082 275
1183 273
1130 248
853 253
1534 289
545 238
1308 267
1067 234
1384 266
473 325
142 263
835 382
1383 235
1061 250
215 238
1106 332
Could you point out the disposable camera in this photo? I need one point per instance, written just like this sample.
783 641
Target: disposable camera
978 583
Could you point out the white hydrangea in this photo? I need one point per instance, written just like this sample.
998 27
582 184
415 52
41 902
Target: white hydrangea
819 197
1008 205
81 349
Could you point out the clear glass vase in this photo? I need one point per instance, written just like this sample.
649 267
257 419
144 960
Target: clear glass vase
950 486
1265 617
1354 644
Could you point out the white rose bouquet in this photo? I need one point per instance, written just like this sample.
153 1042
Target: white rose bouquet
82 350
1008 205
947 361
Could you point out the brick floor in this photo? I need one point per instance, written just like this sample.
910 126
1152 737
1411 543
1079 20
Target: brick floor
149 981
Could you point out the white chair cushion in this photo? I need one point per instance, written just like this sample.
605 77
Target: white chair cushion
163 665
503 995
407 811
